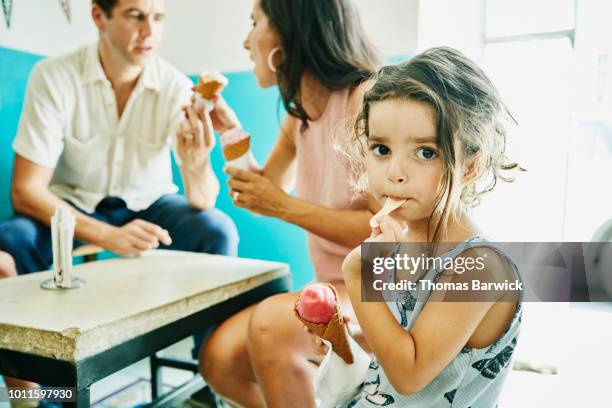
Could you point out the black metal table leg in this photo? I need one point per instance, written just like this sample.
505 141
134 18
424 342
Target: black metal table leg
82 399
156 376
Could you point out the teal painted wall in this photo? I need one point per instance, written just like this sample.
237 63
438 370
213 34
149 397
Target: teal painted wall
15 68
258 110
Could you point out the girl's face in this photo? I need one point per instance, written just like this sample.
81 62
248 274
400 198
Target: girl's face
260 42
403 160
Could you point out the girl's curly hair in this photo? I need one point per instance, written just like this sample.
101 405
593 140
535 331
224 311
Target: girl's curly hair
469 115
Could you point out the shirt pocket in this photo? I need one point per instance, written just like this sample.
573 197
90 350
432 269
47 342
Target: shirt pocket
84 131
154 141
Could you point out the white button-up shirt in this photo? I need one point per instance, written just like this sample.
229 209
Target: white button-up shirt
70 122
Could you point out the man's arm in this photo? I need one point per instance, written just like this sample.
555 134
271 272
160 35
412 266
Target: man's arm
31 196
194 142
201 188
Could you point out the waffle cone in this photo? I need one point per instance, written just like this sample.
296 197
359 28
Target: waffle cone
209 89
235 150
334 331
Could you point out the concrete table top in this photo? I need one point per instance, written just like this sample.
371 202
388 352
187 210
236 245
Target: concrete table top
123 298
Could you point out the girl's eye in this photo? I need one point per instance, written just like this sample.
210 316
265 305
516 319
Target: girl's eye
426 153
380 150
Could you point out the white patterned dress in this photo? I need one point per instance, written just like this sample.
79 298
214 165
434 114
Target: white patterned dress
473 379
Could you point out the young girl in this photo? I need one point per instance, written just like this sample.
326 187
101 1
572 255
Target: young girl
432 133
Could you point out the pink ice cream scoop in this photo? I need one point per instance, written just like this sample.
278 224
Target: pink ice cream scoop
316 304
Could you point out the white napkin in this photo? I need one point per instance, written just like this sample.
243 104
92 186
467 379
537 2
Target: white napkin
62 235
243 162
200 102
336 382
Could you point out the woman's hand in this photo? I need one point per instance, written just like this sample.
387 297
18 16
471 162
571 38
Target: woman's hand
257 193
195 140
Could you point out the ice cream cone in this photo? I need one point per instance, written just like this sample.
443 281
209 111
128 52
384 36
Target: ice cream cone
334 331
210 84
235 150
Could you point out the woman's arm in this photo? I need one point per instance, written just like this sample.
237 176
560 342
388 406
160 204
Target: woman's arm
268 195
257 193
281 166
344 227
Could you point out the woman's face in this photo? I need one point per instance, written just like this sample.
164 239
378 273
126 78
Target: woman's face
260 42
403 159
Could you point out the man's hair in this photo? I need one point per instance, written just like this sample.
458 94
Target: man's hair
106 5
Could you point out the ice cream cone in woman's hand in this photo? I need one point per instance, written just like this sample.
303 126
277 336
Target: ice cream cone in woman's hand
209 86
236 145
318 308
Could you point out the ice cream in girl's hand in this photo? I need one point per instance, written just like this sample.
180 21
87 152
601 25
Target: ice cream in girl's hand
319 303
391 205
236 145
210 84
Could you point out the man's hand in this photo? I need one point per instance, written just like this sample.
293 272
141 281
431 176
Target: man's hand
195 140
222 116
135 237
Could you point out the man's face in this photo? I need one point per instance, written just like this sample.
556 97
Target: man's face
133 31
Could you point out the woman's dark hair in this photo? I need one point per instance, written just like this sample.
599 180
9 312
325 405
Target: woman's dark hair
106 5
470 119
323 37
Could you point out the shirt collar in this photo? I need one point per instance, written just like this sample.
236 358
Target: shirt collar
93 72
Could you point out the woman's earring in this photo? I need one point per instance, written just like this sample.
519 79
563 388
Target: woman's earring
271 57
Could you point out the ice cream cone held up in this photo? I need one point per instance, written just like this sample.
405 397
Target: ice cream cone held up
318 308
210 84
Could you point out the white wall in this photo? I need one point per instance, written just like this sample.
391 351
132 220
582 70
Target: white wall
203 34
391 24
210 33
198 34
40 27
457 24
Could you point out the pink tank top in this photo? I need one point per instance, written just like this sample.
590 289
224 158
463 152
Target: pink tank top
323 178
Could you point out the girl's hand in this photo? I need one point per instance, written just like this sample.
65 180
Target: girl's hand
257 193
319 349
388 230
